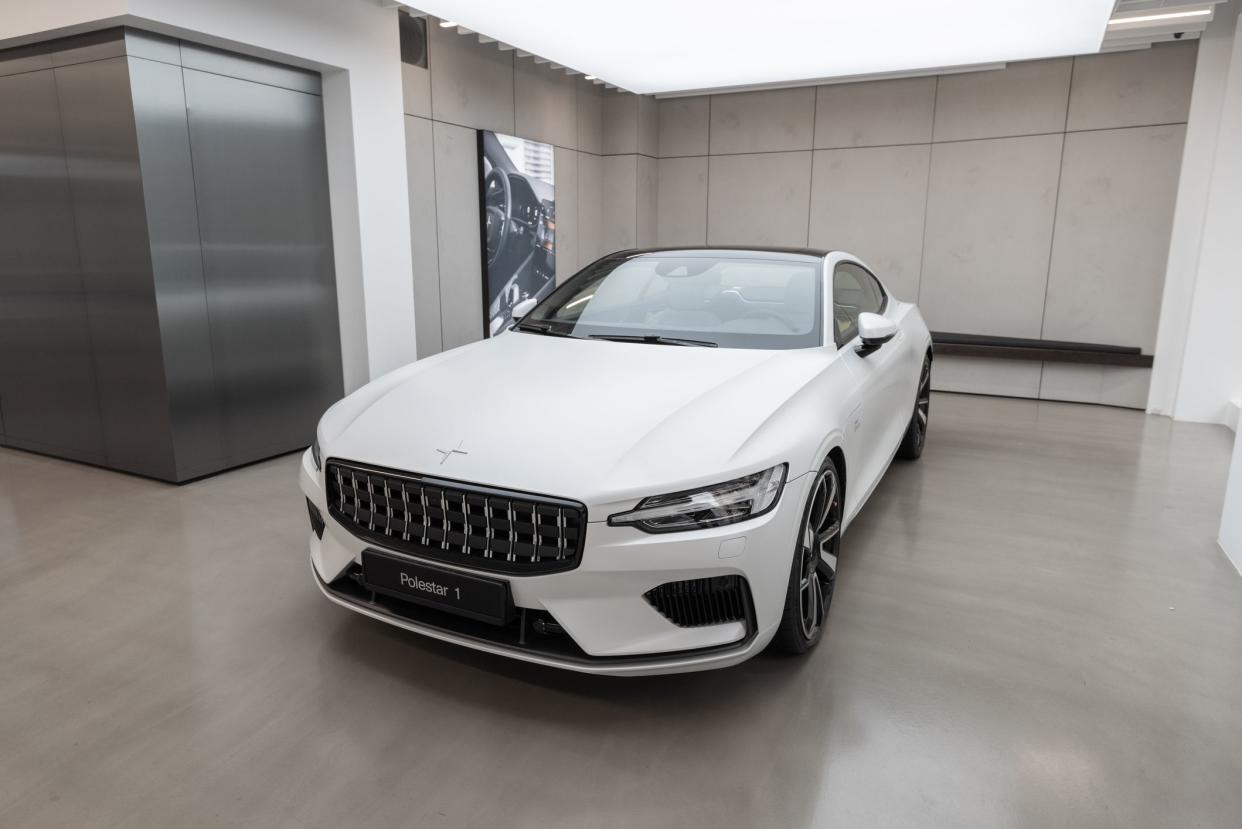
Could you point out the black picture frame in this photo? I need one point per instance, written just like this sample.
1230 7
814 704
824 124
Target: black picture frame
517 224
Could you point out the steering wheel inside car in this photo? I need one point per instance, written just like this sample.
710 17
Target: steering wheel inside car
498 210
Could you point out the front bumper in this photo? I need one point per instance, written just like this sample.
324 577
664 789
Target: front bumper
600 605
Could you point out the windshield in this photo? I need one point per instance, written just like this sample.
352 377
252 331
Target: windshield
688 300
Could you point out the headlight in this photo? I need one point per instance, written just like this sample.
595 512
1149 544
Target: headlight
315 454
713 506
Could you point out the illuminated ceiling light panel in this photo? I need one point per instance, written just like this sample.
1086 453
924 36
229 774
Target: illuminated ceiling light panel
658 46
1147 18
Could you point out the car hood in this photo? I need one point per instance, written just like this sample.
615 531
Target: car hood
590 420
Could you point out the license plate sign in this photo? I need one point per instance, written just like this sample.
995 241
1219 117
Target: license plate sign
475 597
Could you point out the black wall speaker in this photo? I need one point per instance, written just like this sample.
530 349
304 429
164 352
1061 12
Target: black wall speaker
413 39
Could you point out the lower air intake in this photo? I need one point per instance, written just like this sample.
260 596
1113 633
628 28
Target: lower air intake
699 602
316 518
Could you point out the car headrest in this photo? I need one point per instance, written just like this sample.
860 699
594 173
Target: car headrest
800 293
689 293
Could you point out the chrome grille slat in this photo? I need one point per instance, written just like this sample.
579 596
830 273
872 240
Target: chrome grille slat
425 520
353 483
475 526
405 512
444 542
512 533
371 511
560 533
534 522
487 528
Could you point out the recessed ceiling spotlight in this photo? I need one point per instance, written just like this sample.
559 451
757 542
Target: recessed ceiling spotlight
1167 16
445 24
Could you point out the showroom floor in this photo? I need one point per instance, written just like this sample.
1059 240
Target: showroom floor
1033 628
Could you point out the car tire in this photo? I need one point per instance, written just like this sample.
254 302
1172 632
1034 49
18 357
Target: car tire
916 432
813 572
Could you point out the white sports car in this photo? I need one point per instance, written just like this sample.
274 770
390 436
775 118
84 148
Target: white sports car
649 472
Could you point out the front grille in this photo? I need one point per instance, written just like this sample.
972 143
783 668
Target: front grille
474 526
699 602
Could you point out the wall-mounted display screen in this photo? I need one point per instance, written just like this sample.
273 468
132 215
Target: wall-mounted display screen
519 224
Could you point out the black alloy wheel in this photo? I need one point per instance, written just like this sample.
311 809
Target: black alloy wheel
916 433
814 572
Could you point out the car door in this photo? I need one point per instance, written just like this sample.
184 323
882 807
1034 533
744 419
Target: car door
882 411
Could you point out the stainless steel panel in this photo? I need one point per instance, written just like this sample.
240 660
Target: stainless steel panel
152 46
262 190
102 154
47 384
177 265
128 337
106 43
25 59
206 59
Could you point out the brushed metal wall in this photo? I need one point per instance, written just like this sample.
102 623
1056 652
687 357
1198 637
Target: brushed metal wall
101 152
48 399
262 182
167 294
177 267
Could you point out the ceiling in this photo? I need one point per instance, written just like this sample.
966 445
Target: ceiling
1137 24
663 47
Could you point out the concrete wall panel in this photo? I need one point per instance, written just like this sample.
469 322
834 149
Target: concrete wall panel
1111 243
759 199
870 201
990 208
457 234
682 124
545 104
1022 99
874 113
424 246
1130 89
619 212
682 200
471 85
761 122
566 162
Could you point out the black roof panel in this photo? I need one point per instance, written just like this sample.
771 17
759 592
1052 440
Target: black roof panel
816 253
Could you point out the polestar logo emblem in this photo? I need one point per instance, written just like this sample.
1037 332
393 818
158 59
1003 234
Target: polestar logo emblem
446 452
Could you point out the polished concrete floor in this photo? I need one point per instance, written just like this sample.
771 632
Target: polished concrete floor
1033 627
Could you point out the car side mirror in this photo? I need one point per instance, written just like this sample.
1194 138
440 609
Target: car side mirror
874 330
524 307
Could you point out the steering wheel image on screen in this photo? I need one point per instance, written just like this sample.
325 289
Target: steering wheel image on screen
498 208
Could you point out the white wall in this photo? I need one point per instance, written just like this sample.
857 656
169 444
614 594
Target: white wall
354 43
1231 516
1199 156
1199 366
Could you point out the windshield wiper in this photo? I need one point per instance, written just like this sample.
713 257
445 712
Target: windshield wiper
653 339
544 328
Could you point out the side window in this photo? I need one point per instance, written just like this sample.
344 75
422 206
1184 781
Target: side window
854 291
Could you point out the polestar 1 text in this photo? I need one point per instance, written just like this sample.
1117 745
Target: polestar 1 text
650 471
